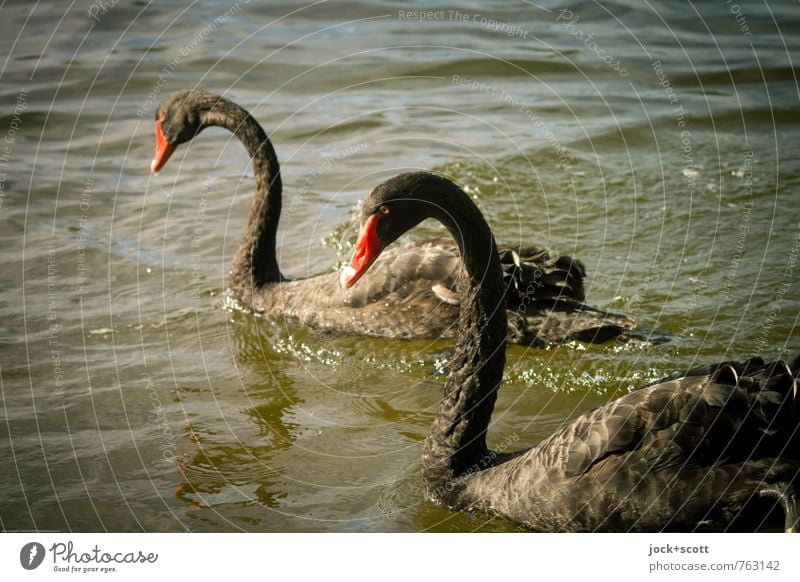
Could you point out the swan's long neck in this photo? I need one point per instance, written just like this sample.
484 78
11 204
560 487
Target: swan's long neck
255 263
456 445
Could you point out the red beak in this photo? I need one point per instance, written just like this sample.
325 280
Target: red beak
368 247
164 149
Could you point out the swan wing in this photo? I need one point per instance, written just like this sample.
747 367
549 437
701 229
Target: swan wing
707 416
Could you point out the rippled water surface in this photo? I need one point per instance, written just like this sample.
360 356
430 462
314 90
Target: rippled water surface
656 141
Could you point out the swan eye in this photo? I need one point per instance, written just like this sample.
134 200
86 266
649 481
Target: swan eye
384 210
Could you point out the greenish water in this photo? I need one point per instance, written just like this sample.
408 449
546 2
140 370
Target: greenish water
660 150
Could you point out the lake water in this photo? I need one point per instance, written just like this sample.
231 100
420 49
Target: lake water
655 141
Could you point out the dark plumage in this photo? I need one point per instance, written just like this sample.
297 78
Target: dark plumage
714 448
411 294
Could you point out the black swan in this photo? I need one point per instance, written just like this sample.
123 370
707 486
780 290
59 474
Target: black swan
713 448
416 282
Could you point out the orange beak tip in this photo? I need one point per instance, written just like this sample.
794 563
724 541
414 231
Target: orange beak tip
164 148
366 250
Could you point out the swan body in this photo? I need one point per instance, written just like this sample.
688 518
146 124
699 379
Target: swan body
411 294
714 448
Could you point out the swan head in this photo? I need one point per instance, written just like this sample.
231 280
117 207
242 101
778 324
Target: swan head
393 208
179 117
